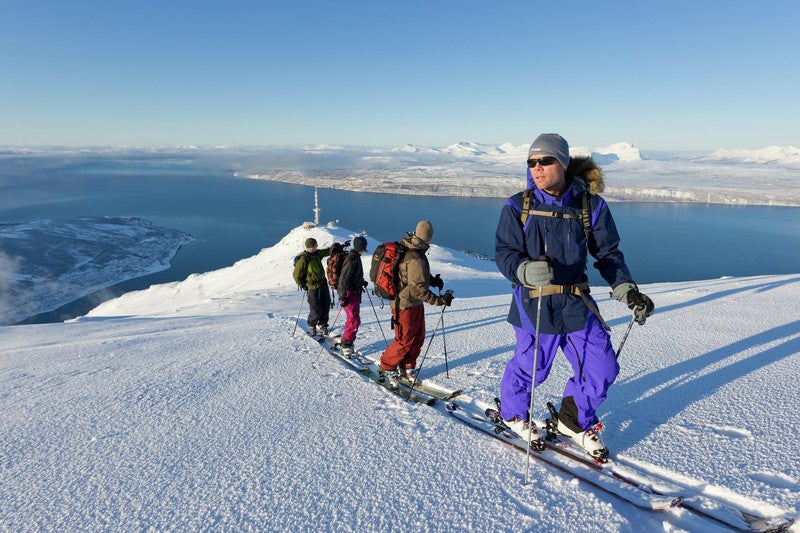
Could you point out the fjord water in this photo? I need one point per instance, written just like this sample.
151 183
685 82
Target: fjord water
232 218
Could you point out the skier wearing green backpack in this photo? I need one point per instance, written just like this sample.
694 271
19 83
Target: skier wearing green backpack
309 274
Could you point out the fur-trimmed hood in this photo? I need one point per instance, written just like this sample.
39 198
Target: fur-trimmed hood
587 169
582 172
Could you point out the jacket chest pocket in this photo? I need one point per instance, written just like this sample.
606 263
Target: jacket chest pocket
574 242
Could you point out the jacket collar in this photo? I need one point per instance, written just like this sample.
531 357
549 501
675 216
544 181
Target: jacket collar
412 242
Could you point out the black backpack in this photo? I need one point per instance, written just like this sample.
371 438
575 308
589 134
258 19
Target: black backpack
335 262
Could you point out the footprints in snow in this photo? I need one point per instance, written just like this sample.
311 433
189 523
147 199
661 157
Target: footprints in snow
772 478
713 430
777 479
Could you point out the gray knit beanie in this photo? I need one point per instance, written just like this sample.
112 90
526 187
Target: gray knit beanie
424 231
551 144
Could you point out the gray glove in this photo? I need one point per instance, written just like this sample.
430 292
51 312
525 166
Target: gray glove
535 273
640 304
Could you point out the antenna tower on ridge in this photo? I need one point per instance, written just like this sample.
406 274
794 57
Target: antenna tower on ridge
316 207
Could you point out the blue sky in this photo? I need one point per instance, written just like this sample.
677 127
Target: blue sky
678 75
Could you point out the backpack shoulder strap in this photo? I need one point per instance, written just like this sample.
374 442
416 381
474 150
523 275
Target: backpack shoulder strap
585 216
527 201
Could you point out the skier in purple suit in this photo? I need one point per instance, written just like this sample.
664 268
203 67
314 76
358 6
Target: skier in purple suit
541 245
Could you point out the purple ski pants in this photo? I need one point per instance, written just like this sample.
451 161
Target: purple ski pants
589 352
352 313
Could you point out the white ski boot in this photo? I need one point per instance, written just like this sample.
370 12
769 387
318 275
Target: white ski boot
589 440
408 375
520 427
347 350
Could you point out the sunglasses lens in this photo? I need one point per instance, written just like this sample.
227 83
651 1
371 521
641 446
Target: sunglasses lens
544 161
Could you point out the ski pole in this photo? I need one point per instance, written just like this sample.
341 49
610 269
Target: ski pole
533 384
326 338
625 337
376 317
422 362
444 341
302 297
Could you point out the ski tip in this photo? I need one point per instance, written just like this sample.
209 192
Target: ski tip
768 525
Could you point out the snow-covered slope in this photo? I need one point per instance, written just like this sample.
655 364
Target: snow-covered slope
191 406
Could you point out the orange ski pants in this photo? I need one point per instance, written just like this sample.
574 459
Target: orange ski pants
409 336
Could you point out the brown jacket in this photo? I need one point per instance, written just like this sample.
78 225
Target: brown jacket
415 275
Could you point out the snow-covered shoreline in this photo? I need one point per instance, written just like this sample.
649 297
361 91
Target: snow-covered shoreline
190 405
733 177
410 183
45 264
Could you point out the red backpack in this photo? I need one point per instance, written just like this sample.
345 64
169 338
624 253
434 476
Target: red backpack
384 269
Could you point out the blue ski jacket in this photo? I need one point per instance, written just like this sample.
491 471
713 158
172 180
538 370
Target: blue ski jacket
564 242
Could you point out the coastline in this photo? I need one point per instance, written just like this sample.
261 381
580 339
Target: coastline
498 186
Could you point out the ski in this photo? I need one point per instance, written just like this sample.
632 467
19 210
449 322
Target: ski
633 495
716 511
357 361
404 393
363 366
430 389
423 387
319 338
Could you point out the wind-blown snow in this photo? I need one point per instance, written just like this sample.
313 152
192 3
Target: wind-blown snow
191 406
45 264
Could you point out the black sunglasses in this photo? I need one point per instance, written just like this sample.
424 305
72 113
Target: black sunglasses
544 161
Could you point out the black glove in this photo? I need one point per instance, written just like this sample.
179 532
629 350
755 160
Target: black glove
365 284
303 287
641 305
346 243
445 299
437 282
343 300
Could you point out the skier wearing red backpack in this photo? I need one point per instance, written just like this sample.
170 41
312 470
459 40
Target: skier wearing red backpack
408 313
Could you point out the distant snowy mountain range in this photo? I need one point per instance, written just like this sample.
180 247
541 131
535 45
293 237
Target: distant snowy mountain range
767 176
622 151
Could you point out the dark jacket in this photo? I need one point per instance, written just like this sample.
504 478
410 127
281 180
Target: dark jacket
564 241
352 275
308 271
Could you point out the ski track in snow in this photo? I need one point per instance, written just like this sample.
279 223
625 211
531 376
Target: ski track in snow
191 406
